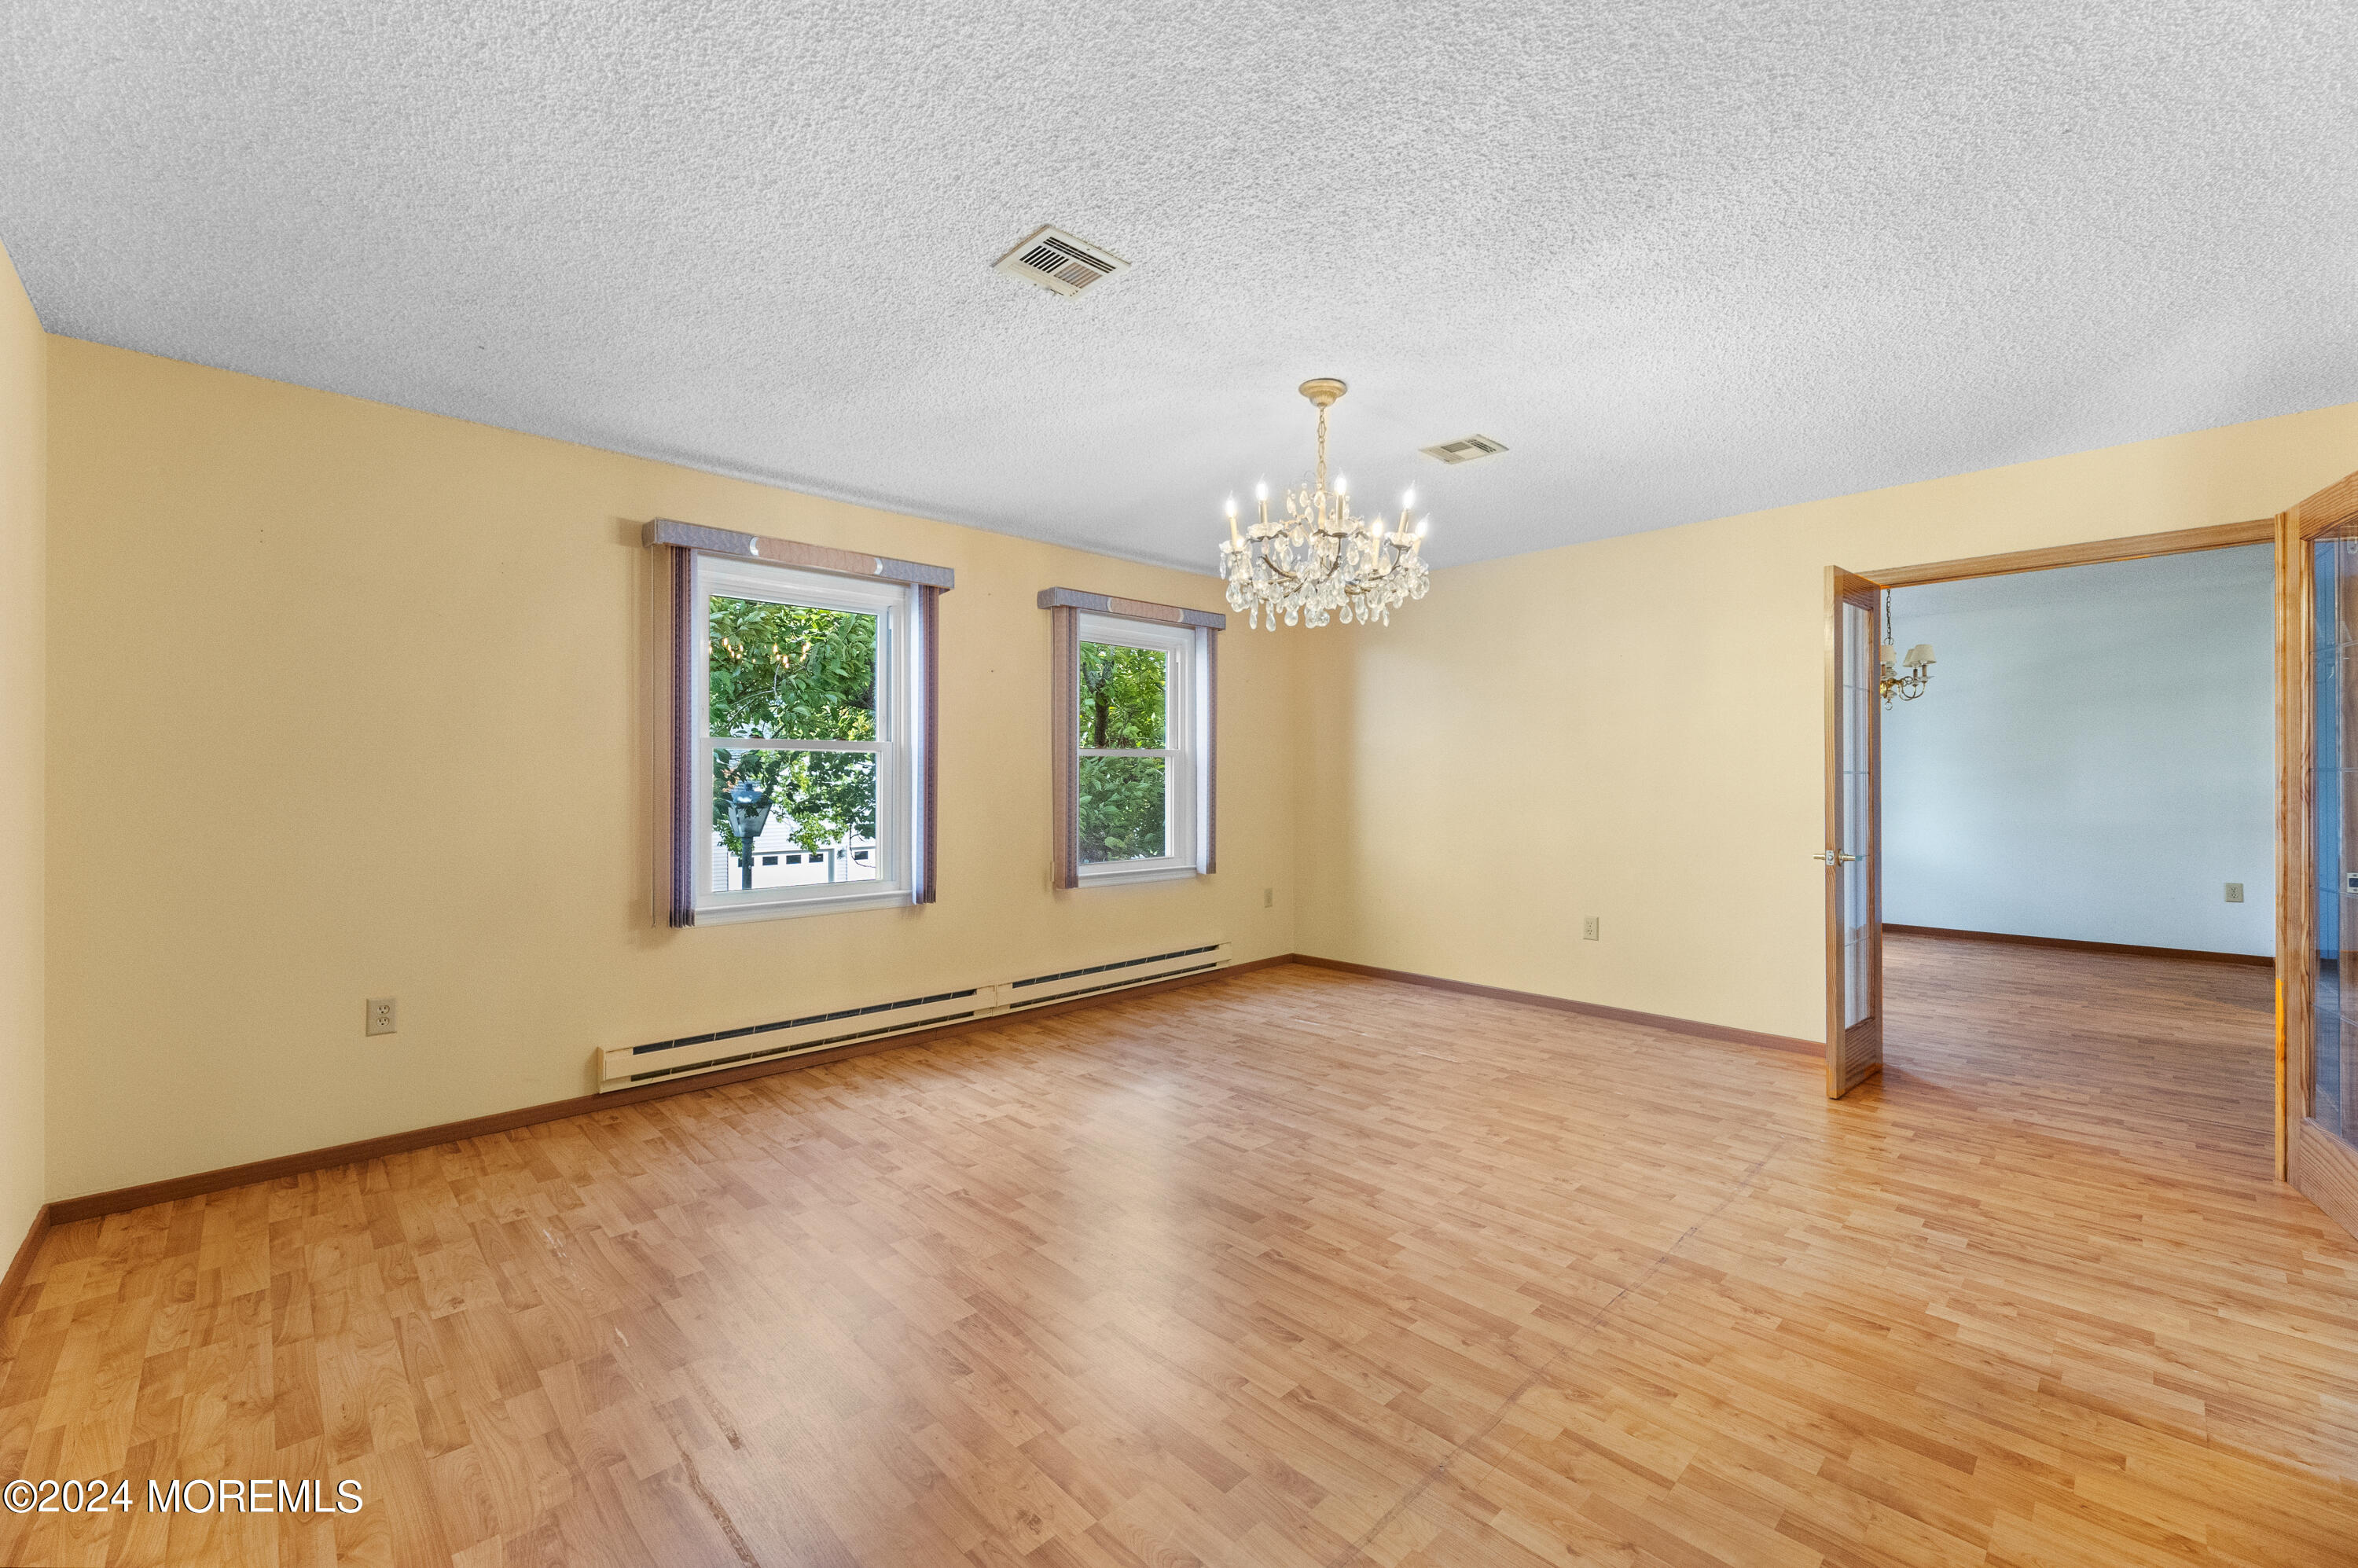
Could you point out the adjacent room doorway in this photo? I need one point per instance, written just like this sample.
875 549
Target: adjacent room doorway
2316 547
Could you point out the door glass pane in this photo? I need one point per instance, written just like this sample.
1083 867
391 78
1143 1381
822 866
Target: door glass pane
1123 808
1859 696
782 818
2333 1094
1124 696
790 671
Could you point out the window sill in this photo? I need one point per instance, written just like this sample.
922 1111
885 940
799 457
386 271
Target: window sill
1094 877
785 908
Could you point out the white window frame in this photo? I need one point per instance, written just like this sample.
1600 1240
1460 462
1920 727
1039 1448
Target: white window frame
897 699
1184 715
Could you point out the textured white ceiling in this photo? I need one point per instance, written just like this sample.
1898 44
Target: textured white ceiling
1685 259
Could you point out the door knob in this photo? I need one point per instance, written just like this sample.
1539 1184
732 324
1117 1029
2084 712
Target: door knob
1831 857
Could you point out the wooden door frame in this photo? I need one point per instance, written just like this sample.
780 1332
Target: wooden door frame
2313 1160
2179 542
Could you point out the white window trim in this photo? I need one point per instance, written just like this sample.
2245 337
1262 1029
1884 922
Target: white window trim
1183 749
895 606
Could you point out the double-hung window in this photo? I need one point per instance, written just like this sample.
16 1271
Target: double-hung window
1140 798
800 735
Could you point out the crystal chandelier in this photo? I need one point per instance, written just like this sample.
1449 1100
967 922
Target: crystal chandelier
1321 561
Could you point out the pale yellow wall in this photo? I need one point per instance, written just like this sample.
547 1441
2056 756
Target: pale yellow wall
1634 729
24 464
315 663
348 701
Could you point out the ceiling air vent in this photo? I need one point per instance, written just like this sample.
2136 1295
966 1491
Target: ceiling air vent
1465 451
1055 259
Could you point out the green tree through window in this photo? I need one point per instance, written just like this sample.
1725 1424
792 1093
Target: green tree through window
791 672
1123 706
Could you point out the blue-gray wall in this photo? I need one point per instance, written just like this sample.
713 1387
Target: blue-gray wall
2094 758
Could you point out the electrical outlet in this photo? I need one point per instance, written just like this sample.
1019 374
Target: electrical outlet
2234 893
1591 928
380 1015
1269 898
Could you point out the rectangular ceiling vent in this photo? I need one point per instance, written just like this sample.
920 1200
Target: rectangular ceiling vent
1055 259
1466 450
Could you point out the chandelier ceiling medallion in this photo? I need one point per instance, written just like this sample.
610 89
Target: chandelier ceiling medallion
1321 561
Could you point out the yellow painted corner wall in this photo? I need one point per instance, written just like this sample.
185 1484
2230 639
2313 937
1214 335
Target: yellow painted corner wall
1633 730
348 701
24 460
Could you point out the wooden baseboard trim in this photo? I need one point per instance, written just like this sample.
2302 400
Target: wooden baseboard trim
1813 1048
2260 960
21 1265
95 1206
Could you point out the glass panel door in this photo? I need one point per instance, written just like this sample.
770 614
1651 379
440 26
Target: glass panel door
2331 1090
1855 841
2317 813
1853 854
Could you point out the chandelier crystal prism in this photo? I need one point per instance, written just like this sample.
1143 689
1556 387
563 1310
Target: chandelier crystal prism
1320 561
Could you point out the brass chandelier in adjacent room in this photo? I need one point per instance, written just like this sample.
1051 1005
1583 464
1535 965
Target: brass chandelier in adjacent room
1897 687
1320 560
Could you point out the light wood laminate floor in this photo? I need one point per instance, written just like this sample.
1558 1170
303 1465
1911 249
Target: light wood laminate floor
1292 1269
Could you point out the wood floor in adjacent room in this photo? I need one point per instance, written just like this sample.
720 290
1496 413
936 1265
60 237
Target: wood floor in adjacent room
1294 1268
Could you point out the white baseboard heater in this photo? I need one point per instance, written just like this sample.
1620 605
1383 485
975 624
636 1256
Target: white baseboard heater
620 1066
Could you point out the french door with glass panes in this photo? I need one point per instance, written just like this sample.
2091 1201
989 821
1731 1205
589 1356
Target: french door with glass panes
2317 934
1854 852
